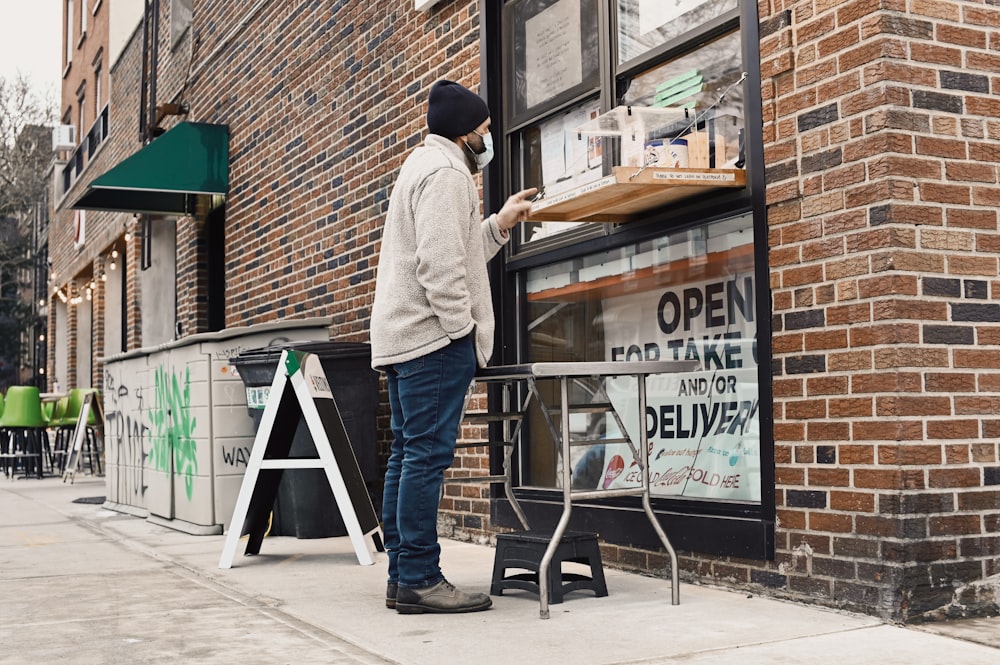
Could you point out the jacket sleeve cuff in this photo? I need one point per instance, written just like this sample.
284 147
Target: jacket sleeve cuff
500 237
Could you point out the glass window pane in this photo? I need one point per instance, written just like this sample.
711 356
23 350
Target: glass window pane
557 158
646 24
696 82
685 296
554 51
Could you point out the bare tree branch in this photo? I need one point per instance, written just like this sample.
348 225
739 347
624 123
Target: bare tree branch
25 150
25 156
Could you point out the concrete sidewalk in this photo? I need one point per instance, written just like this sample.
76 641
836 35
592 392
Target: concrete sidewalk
81 584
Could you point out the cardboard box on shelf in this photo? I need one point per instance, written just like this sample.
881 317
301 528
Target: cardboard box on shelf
699 150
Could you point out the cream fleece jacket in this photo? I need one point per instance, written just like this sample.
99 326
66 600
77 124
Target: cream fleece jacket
432 286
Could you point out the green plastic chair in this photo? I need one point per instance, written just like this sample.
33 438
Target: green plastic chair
64 422
22 408
74 402
55 422
58 411
23 421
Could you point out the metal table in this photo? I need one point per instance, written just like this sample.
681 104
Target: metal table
529 374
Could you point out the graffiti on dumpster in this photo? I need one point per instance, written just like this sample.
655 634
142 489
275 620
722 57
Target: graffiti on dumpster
236 457
173 428
126 435
230 352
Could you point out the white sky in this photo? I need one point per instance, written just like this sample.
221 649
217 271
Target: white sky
30 39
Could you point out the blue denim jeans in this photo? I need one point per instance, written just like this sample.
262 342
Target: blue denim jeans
426 396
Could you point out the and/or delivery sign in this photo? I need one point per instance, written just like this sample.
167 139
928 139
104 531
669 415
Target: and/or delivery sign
703 427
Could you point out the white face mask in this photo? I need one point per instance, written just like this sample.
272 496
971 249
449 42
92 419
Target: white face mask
486 156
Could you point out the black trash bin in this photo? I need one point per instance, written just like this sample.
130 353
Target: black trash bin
305 506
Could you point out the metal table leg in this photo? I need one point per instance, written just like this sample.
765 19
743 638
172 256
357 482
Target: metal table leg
567 480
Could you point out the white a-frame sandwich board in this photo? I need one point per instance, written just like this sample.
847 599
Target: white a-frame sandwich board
91 404
300 390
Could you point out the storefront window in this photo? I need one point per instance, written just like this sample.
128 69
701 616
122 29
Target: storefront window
556 159
694 101
689 295
639 122
644 25
706 84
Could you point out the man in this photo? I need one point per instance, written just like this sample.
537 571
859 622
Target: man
432 324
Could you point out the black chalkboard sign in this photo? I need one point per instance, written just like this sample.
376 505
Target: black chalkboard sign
300 390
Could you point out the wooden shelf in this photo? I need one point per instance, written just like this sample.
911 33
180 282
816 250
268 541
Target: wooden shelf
714 265
617 198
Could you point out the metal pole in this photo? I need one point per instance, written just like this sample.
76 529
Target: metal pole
675 587
543 567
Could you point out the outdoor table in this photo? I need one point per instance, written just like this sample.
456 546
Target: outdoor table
558 421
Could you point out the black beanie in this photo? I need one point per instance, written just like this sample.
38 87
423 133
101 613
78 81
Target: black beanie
453 110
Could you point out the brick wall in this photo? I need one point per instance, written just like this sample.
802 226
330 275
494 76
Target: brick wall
881 130
125 140
173 64
97 347
324 101
86 49
103 229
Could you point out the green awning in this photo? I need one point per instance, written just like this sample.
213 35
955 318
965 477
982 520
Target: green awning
164 176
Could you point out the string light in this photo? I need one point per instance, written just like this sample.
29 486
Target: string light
74 295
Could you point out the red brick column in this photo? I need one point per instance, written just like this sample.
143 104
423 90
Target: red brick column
97 340
881 128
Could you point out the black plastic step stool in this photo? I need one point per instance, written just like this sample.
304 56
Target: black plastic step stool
525 549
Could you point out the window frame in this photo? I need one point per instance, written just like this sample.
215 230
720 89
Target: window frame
81 103
748 529
98 67
181 16
516 118
68 12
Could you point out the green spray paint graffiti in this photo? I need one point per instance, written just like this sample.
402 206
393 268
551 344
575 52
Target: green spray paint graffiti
173 428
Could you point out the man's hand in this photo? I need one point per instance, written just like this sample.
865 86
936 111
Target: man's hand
516 209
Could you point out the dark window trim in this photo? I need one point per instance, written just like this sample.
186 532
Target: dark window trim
581 90
720 535
681 44
710 527
611 78
710 208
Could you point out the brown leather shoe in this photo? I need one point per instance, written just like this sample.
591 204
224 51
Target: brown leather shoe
442 598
